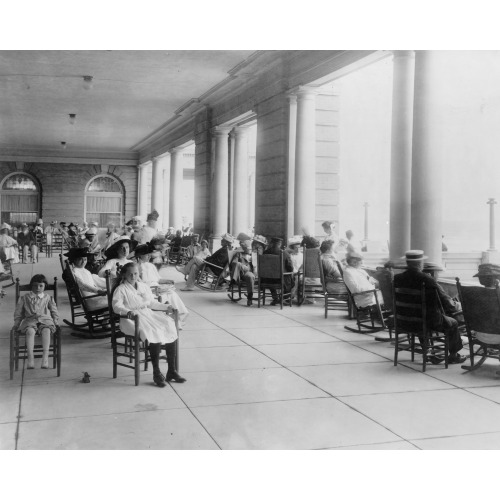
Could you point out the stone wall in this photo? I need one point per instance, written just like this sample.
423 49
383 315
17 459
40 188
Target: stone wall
63 186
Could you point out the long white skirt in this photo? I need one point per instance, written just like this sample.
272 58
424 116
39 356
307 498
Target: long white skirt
154 326
11 253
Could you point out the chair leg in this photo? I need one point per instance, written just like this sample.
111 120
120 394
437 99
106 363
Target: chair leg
396 348
59 353
11 360
137 367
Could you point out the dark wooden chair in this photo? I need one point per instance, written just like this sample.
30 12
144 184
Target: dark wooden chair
97 324
335 301
310 285
182 257
131 347
75 306
211 277
481 312
19 351
272 277
410 321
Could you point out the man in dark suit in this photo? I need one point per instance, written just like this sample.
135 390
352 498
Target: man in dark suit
435 296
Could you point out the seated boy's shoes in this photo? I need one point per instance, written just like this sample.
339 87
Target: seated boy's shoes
173 376
455 359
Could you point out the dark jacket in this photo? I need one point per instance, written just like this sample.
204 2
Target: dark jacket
435 296
219 258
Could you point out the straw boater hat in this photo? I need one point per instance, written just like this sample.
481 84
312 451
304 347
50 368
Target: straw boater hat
414 255
228 237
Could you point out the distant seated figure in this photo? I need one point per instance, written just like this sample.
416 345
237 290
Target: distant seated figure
297 257
8 245
110 237
27 241
176 241
194 247
149 231
220 259
358 280
488 275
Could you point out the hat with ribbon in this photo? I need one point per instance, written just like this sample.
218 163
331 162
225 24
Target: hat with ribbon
112 251
487 270
258 238
414 255
94 223
77 253
228 237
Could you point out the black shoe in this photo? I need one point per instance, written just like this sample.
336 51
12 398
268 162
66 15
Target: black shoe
173 376
456 359
275 303
435 360
159 379
249 302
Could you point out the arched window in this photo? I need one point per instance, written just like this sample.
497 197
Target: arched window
104 201
19 199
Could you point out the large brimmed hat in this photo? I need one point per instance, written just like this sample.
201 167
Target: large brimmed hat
5 226
228 237
91 230
258 238
112 251
487 270
142 250
77 253
414 255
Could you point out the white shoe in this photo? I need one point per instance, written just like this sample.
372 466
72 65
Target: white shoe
31 363
45 363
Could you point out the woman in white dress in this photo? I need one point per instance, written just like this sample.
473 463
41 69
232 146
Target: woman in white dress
134 298
165 288
8 244
116 254
89 284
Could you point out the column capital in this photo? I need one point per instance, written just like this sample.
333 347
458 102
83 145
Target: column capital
306 92
177 149
240 130
220 130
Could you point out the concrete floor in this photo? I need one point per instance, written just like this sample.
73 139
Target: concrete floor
257 379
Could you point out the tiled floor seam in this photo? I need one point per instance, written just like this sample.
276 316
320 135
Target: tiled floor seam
260 402
368 444
453 436
196 418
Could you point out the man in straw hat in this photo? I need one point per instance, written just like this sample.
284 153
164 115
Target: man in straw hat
414 277
241 267
488 275
358 280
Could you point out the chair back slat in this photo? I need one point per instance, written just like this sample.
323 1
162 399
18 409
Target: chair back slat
52 287
410 309
312 264
270 266
481 308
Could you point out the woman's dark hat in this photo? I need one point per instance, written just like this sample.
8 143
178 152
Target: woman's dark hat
77 253
112 251
142 250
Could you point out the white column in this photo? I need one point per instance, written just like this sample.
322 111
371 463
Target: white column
220 182
176 173
491 202
401 153
232 141
292 131
427 156
240 184
143 193
305 162
157 187
165 219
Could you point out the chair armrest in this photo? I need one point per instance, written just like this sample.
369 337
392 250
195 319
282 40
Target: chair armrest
213 265
363 293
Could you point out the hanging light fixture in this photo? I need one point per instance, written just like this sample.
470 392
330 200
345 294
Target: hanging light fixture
63 144
72 118
88 82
